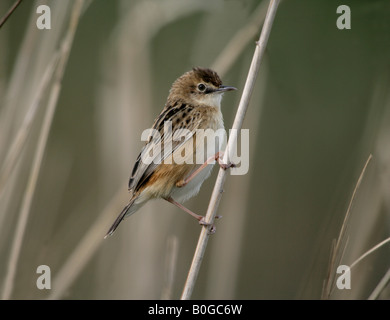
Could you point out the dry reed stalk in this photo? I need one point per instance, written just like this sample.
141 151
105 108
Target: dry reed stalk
222 282
381 286
218 188
10 11
339 245
368 252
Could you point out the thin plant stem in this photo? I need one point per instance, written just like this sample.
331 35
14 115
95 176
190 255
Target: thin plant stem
386 278
381 285
37 161
346 218
374 248
218 187
221 283
329 282
224 281
10 11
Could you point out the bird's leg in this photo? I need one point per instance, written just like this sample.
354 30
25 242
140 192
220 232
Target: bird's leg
185 181
198 217
216 157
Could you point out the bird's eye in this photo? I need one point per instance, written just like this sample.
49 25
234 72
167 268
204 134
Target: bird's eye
201 87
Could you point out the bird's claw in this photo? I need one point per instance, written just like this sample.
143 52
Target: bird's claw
227 166
213 228
203 222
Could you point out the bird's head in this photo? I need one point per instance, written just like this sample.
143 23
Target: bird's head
200 86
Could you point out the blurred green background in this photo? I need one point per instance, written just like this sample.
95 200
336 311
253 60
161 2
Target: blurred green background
321 106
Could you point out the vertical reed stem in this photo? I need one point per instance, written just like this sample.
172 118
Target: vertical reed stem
218 188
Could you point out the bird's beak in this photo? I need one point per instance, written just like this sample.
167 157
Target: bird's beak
225 88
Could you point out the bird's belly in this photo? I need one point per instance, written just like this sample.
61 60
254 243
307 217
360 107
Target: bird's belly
185 160
208 144
192 188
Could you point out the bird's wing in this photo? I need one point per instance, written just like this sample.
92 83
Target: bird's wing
163 141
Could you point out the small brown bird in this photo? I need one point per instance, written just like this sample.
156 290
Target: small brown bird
193 104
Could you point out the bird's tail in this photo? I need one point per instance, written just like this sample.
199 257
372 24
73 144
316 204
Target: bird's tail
128 210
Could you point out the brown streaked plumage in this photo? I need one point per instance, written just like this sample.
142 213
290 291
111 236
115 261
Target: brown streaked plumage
193 103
